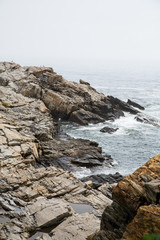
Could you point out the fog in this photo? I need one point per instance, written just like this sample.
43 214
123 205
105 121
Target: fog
67 33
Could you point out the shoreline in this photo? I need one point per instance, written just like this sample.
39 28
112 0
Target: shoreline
35 191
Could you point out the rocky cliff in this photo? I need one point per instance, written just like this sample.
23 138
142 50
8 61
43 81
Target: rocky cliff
39 199
135 211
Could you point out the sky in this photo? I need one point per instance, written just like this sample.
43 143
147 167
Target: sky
79 32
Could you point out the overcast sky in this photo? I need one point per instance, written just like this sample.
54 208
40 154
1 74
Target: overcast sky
68 32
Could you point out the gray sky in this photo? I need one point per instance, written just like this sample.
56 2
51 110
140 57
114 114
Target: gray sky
68 32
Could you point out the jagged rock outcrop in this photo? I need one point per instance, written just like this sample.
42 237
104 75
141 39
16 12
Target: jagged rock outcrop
34 194
36 191
136 201
134 104
66 100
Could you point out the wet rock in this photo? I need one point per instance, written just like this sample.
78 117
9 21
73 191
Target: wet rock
85 117
108 130
70 153
134 104
122 105
100 179
144 118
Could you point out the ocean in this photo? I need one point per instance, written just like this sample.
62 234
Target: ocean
134 143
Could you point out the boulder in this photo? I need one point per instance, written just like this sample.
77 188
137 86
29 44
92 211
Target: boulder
108 130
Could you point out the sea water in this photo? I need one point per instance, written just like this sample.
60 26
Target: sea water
134 143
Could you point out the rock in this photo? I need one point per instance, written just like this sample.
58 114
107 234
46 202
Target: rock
153 191
122 105
131 202
3 82
144 118
85 117
100 179
107 189
66 100
70 153
134 104
35 187
145 222
34 193
49 212
74 227
108 130
84 82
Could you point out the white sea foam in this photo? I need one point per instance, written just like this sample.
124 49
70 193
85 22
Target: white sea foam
134 142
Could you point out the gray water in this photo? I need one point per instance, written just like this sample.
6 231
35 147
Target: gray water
134 143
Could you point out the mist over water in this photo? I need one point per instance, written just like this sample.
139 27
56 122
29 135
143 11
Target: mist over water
134 143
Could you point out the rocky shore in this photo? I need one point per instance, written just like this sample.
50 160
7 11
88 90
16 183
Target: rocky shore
40 198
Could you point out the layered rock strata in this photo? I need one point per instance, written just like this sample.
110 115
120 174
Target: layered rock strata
135 211
36 191
66 100
36 196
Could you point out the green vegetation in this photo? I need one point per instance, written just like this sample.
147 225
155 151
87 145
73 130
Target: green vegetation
5 104
152 237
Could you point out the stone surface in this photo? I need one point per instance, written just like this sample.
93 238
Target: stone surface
144 118
75 227
147 221
131 203
99 179
34 192
134 104
108 130
48 212
35 188
67 100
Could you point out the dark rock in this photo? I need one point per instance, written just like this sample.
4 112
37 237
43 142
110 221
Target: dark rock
100 179
108 130
85 117
144 118
117 103
84 82
70 153
3 82
134 104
